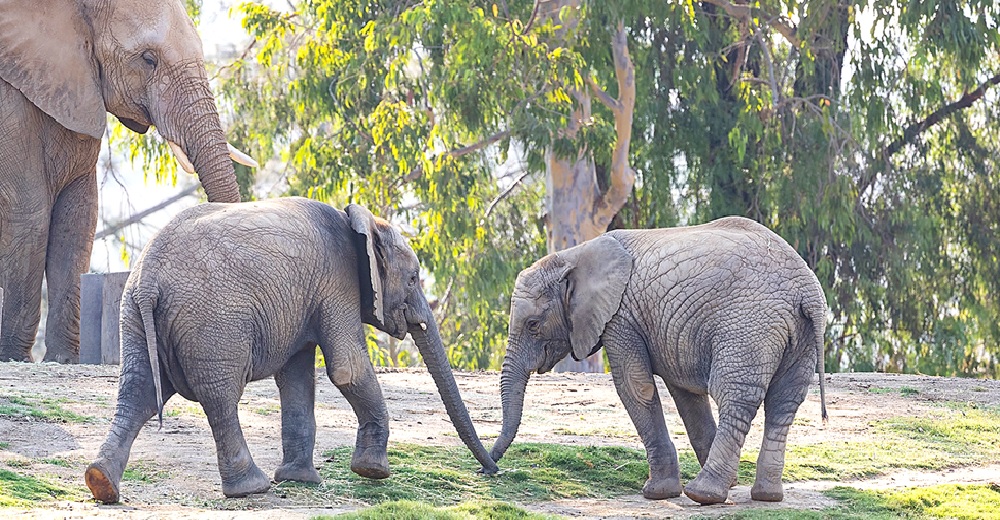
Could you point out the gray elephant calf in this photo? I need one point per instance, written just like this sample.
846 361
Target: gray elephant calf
726 309
231 293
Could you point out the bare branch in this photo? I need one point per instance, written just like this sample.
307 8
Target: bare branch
912 131
745 12
503 195
114 229
474 147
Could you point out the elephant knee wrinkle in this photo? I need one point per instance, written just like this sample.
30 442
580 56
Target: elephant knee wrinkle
342 376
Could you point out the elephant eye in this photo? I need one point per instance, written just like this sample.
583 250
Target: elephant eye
532 325
149 58
413 280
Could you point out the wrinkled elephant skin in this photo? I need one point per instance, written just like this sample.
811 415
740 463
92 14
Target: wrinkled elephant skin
64 64
726 309
230 293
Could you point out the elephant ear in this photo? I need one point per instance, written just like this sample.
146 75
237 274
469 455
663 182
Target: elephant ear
363 223
46 52
598 271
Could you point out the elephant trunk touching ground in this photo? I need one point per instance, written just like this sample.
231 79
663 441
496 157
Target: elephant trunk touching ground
425 334
513 381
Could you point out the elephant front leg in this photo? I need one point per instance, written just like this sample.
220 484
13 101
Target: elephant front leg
633 376
71 238
349 368
297 388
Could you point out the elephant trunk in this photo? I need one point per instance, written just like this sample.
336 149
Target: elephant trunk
513 381
196 137
428 340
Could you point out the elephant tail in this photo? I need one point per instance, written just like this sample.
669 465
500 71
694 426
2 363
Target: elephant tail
817 315
146 305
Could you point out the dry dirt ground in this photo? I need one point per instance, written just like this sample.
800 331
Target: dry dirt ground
581 409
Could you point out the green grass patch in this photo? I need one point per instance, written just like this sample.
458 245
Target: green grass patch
957 501
57 461
4 445
41 408
954 436
905 391
268 409
410 510
144 471
443 476
23 491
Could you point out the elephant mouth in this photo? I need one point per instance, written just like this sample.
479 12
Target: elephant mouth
134 125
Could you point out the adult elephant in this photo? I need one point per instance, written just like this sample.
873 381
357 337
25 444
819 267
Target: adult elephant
63 65
231 293
726 309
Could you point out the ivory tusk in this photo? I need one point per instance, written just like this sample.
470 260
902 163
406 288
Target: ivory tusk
241 157
182 157
423 326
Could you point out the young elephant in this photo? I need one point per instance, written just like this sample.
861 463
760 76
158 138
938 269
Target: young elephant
231 293
726 309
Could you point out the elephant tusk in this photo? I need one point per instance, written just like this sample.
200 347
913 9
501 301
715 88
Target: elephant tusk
423 326
241 157
182 157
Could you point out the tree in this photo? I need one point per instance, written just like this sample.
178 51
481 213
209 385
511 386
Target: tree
860 132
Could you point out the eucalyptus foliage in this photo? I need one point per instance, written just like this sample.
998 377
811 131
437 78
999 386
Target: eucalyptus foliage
865 133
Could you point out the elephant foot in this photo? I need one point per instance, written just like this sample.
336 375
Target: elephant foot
371 463
370 458
659 489
767 492
705 492
103 488
297 473
254 482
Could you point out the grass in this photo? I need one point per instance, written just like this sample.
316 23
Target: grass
24 491
268 409
442 476
57 461
410 510
956 435
957 501
905 391
41 408
144 471
4 445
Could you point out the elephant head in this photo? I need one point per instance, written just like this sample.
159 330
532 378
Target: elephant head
560 305
393 301
142 61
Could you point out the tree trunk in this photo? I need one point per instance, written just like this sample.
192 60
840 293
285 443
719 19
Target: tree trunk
577 209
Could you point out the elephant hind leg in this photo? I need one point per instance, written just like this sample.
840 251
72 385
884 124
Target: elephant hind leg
136 405
739 389
696 412
783 398
297 388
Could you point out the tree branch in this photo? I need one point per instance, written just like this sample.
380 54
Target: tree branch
622 175
114 229
744 12
912 131
603 96
474 147
503 195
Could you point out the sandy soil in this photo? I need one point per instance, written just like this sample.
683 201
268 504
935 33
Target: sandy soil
581 409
